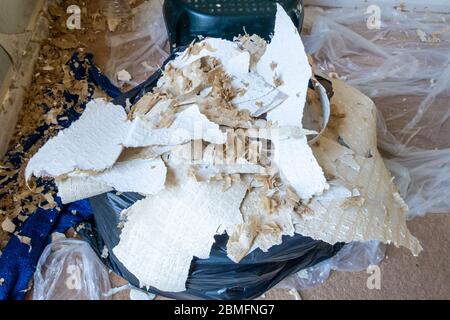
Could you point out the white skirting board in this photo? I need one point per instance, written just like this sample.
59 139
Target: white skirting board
419 5
14 86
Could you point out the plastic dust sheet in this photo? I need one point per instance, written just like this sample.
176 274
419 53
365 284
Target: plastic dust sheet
70 270
404 67
143 47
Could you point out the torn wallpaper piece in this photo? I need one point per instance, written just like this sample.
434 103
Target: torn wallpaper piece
235 61
163 233
261 228
210 162
155 115
257 95
337 216
94 142
299 167
188 79
143 153
362 203
146 177
206 172
285 65
189 124
77 188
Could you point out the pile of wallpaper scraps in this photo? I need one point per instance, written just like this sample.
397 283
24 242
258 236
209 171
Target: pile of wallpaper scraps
219 146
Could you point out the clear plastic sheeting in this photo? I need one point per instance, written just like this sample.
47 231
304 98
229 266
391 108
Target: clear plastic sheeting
353 257
141 50
404 66
422 177
70 270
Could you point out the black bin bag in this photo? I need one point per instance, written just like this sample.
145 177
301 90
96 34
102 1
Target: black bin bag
216 277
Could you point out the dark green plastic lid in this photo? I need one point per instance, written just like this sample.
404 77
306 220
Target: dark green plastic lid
188 19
